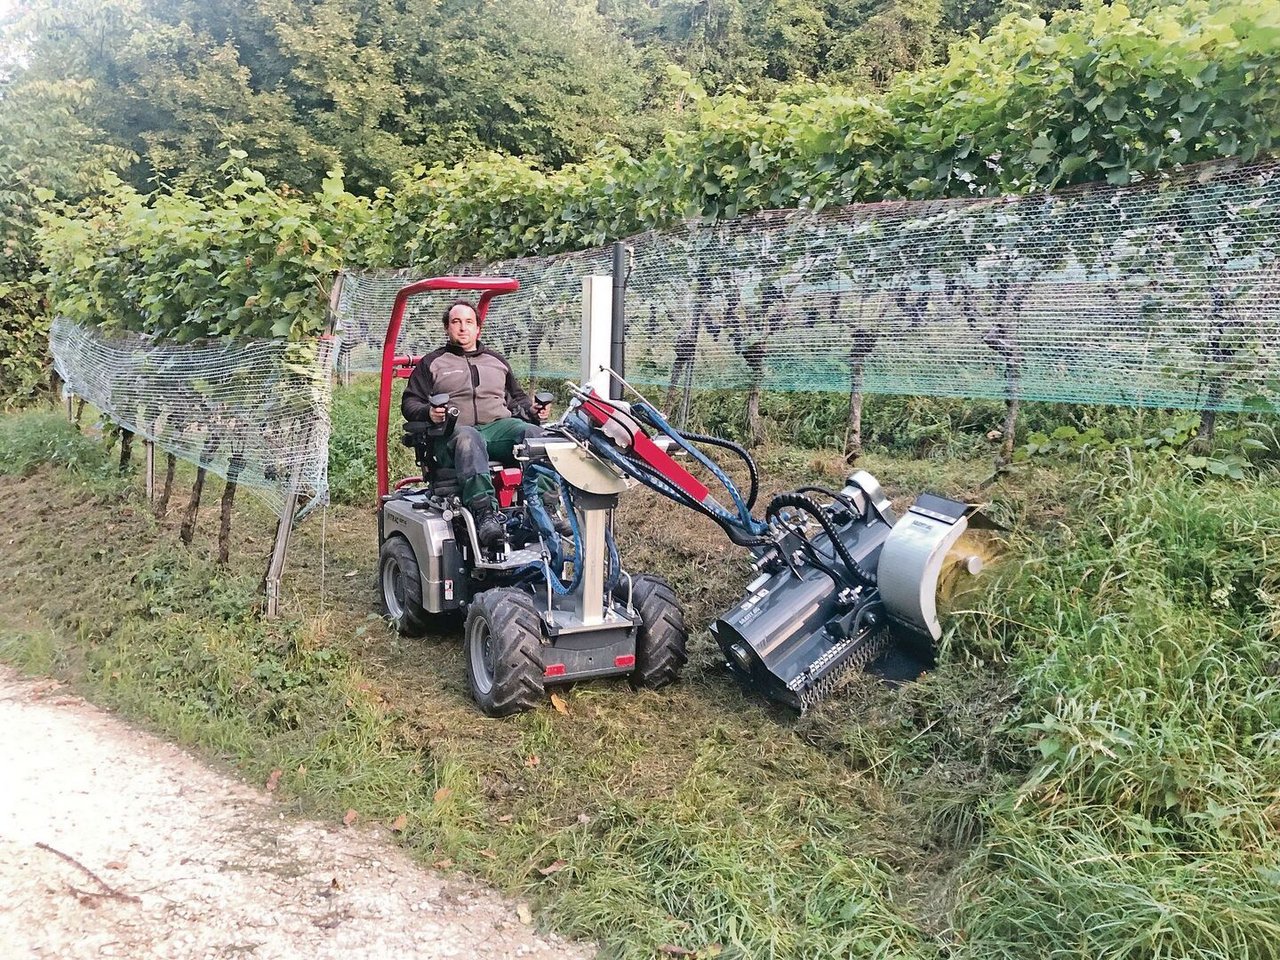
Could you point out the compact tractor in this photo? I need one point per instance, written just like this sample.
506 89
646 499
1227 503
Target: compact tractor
841 577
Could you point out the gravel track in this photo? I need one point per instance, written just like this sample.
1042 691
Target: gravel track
114 843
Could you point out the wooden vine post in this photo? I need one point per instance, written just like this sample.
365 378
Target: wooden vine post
284 528
150 448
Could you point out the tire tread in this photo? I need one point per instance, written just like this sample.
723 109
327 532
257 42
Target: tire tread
516 631
662 638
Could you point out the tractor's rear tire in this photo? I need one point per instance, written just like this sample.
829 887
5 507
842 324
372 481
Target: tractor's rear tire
504 652
400 587
662 637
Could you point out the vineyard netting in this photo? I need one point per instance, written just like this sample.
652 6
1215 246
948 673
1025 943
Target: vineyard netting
254 411
1162 294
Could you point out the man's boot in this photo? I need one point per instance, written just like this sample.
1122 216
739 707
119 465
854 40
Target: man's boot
551 500
489 529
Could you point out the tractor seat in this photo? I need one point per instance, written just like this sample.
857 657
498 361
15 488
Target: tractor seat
443 481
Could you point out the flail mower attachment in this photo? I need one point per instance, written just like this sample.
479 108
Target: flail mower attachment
832 600
842 580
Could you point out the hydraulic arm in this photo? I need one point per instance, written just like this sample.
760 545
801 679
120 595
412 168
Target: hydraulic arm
841 577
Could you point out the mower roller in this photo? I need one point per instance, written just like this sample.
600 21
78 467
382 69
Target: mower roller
841 579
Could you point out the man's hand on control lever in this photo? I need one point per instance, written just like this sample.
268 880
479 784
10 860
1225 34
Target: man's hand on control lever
439 406
542 405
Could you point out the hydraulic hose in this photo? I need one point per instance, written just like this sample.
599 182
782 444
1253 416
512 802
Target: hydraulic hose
743 520
816 559
837 497
542 520
735 448
659 484
810 507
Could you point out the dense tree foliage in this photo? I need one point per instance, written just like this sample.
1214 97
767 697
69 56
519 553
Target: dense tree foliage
44 147
1105 93
752 46
244 260
379 85
375 86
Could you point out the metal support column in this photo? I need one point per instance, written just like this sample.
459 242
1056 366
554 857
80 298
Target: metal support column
594 562
597 332
151 470
275 572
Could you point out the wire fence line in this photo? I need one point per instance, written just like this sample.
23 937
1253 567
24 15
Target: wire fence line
252 411
1162 294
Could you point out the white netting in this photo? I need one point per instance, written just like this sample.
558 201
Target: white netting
256 411
539 327
1163 294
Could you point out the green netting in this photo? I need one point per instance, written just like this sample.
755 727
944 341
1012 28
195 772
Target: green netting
1163 294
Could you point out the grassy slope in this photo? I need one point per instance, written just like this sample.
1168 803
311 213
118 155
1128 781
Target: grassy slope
1091 771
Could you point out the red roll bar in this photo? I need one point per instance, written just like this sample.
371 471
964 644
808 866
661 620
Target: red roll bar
393 366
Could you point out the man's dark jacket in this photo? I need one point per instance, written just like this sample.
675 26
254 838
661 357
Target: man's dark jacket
480 384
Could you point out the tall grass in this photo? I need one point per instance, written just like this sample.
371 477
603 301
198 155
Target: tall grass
1146 632
32 439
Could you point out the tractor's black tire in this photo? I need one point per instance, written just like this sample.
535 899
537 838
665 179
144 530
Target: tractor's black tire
503 640
662 637
400 587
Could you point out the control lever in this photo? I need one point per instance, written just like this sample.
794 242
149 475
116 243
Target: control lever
541 400
440 401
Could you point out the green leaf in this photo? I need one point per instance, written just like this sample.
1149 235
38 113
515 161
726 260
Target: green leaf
1259 404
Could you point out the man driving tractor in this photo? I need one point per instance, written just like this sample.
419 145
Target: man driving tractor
495 415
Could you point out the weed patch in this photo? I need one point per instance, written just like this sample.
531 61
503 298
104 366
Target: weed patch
1145 638
31 439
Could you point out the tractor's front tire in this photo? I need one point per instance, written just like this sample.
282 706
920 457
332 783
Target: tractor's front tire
400 587
662 637
504 652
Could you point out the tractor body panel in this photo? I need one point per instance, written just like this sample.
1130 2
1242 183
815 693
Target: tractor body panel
578 651
445 584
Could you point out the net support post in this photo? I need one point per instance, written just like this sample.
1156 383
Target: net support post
275 571
597 332
71 417
150 447
618 322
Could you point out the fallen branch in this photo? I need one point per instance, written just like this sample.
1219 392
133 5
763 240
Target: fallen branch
108 890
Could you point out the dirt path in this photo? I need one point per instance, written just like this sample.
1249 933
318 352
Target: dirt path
116 844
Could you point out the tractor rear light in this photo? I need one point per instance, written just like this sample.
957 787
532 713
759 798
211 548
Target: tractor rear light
626 660
557 670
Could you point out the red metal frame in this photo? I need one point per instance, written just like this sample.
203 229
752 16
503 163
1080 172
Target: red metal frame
643 447
394 367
